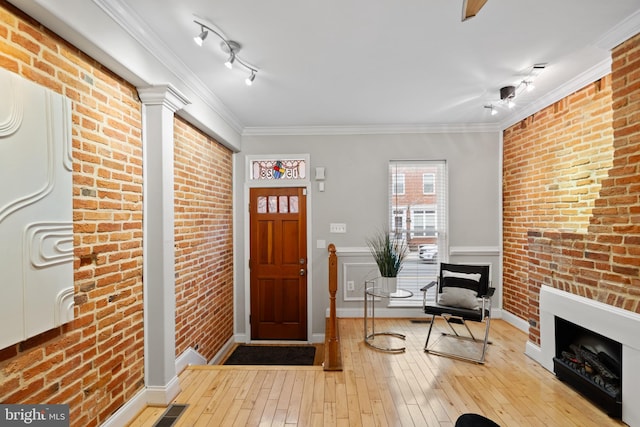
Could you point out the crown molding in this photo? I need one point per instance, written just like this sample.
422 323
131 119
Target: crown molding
626 29
371 129
129 21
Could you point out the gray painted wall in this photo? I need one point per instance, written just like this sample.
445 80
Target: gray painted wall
356 194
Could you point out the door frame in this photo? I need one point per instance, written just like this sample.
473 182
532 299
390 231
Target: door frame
249 183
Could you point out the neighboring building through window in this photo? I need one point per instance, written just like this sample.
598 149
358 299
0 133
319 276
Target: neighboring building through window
428 183
397 186
417 215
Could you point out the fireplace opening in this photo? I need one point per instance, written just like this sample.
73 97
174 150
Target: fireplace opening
591 364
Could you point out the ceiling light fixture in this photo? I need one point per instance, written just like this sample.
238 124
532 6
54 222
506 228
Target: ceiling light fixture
249 80
509 93
199 39
229 63
228 46
528 85
492 108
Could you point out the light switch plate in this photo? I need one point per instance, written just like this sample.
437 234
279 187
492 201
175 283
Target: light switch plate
337 228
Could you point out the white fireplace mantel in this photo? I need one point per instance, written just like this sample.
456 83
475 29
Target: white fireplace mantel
612 322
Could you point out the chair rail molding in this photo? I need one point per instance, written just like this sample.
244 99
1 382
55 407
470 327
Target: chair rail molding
475 250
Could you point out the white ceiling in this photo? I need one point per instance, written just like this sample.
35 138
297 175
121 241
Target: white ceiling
356 63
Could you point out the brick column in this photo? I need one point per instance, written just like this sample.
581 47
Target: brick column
159 105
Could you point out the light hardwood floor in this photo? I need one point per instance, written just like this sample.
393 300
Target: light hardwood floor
380 389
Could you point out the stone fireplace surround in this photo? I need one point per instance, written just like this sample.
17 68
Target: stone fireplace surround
615 323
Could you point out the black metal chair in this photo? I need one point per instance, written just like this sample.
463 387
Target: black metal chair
463 294
474 420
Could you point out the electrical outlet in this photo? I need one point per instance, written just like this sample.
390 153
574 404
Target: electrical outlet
351 286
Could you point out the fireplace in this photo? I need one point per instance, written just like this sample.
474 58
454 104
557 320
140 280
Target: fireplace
591 364
621 326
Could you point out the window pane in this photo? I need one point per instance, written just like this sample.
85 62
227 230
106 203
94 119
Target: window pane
428 183
278 169
417 214
273 204
293 204
284 204
262 204
397 185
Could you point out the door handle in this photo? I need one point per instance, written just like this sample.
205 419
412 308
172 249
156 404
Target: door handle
303 271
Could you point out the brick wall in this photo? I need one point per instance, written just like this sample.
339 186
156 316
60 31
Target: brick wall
203 239
96 363
580 230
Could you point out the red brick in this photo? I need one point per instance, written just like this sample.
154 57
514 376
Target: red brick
592 188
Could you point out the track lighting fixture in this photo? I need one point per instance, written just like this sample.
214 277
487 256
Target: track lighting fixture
509 93
229 63
528 85
249 80
229 47
199 39
492 109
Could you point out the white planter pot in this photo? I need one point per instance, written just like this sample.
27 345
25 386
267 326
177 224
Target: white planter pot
388 284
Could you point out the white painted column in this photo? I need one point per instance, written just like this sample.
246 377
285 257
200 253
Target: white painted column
159 105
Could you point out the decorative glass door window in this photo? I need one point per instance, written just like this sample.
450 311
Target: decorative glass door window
271 170
278 204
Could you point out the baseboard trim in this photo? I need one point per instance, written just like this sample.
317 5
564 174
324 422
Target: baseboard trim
223 351
128 411
148 396
317 338
514 320
189 357
534 352
163 395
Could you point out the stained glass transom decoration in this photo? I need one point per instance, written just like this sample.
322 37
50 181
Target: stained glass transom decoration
278 204
268 170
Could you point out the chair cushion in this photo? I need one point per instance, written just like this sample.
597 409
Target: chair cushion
459 297
465 313
469 276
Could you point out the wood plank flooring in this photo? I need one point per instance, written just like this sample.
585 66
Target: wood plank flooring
380 389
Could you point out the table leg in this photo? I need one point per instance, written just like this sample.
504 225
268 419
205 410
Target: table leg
369 337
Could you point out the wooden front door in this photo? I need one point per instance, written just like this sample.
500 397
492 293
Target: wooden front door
278 263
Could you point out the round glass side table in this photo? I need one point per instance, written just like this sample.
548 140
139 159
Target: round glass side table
371 292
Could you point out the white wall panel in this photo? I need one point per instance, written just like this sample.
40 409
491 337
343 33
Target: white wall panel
36 230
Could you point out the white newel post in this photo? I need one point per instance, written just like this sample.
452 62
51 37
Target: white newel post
159 105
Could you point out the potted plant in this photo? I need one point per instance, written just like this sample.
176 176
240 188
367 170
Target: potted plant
389 253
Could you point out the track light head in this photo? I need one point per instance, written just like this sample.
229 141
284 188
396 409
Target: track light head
528 85
492 108
249 80
199 39
232 48
232 58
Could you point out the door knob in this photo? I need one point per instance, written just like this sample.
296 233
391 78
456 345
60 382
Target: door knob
302 271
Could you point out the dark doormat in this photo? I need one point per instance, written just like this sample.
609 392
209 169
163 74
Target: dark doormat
272 355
